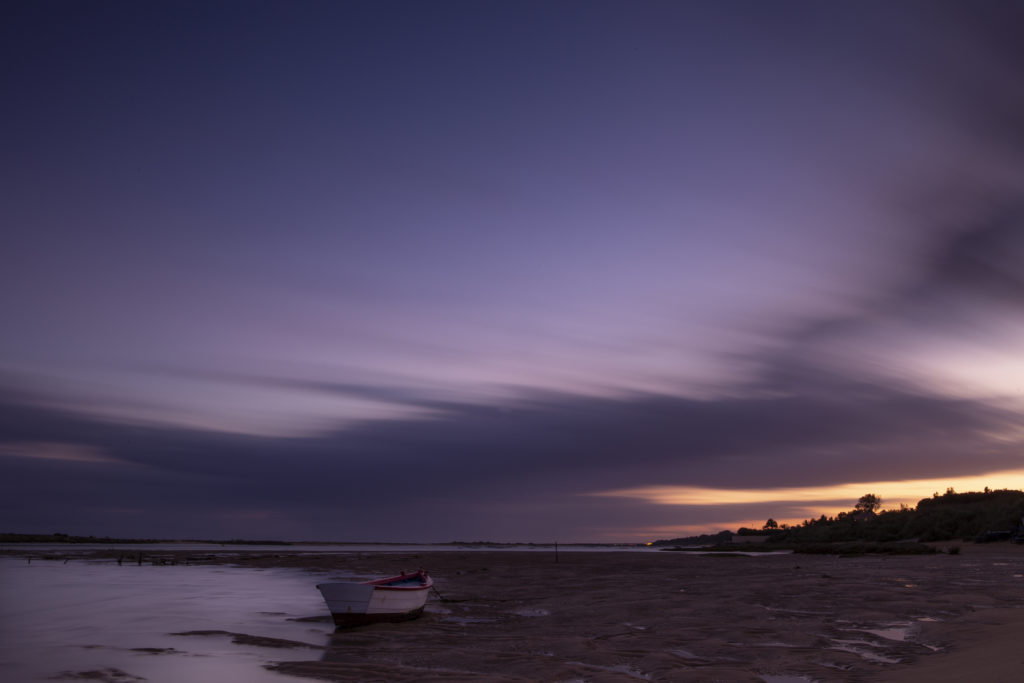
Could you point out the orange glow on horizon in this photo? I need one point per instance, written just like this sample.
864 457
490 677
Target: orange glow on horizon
811 501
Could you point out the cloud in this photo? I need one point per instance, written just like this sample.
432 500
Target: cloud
482 468
47 450
984 259
958 208
512 468
391 394
962 289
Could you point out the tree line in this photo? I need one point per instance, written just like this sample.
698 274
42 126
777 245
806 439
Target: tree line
976 515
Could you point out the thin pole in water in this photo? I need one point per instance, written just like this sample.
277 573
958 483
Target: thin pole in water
556 552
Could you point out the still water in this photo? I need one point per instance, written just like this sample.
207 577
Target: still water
62 620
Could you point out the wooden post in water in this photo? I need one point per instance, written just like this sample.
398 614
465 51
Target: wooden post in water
556 552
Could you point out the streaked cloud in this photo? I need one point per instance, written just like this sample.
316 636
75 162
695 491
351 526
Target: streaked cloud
725 261
825 498
42 450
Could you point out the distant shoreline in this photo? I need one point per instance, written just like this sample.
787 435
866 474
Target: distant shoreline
21 538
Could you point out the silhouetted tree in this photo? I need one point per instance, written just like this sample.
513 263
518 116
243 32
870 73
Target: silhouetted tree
869 502
771 524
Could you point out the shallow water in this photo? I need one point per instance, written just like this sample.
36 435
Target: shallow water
59 619
318 548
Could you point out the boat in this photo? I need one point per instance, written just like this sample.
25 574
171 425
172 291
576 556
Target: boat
396 598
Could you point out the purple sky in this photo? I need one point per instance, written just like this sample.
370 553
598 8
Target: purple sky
425 271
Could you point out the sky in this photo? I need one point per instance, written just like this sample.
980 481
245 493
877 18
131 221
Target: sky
510 271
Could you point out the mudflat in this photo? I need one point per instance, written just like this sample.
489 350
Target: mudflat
672 616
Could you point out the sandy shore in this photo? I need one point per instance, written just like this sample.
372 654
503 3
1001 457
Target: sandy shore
681 617
662 616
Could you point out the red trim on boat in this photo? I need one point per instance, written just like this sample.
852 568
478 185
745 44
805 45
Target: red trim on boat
382 584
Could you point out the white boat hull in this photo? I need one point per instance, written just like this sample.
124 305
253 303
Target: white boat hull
354 604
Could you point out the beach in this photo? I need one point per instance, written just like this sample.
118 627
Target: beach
683 617
663 616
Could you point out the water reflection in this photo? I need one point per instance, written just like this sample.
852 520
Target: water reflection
99 617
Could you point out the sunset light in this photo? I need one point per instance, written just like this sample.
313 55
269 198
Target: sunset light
601 312
505 270
815 500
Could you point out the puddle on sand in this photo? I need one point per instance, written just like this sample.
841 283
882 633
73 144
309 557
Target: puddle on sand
468 620
850 646
686 654
772 643
436 609
786 610
897 633
625 669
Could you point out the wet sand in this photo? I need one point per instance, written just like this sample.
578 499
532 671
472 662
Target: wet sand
663 616
520 616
